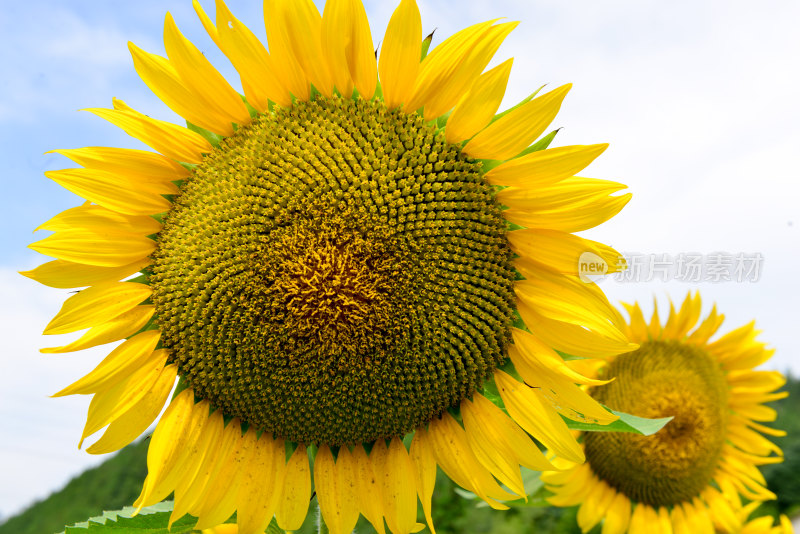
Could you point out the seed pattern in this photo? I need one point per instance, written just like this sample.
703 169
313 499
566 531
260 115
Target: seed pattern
662 379
335 273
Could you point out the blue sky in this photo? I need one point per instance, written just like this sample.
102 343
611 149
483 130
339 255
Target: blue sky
698 101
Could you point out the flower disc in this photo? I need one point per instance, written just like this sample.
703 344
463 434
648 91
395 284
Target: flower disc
335 273
662 379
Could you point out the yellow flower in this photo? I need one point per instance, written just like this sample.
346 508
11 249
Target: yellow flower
759 525
684 478
328 267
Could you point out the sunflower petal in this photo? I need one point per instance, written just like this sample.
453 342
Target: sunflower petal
572 217
476 109
421 454
104 248
131 355
399 489
258 495
130 425
165 82
285 64
370 489
559 251
399 62
63 274
347 40
120 327
200 77
454 455
114 191
303 29
94 306
545 166
512 133
537 418
98 218
171 140
135 164
336 493
292 506
256 68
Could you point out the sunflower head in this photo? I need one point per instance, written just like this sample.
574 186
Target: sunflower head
336 264
692 471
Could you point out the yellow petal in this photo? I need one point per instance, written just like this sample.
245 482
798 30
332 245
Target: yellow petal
256 68
165 82
421 454
572 217
515 131
104 248
335 483
293 501
503 437
139 164
116 398
399 489
286 66
370 490
130 425
442 64
218 501
454 455
208 476
489 447
618 515
545 166
171 140
476 109
347 41
175 436
399 62
66 274
303 27
135 353
120 327
204 455
537 418
594 508
115 192
98 218
199 76
96 305
559 251
467 71
258 493
550 196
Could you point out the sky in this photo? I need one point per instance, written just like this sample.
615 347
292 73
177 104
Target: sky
698 101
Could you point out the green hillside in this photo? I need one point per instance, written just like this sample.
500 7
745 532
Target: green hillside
117 482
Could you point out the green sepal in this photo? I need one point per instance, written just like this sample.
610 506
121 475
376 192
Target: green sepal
426 44
188 166
182 384
250 109
522 102
541 144
626 423
211 137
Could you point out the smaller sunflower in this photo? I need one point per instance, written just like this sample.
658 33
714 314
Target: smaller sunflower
760 525
685 478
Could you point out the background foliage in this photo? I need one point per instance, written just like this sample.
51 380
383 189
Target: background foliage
117 482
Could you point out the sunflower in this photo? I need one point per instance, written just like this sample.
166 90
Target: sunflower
373 278
687 477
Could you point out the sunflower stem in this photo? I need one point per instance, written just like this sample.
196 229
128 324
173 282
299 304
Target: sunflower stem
322 528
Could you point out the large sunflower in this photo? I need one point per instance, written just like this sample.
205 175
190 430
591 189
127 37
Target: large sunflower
327 265
688 477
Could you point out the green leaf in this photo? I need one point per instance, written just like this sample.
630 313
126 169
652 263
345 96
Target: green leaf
151 520
625 423
211 137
